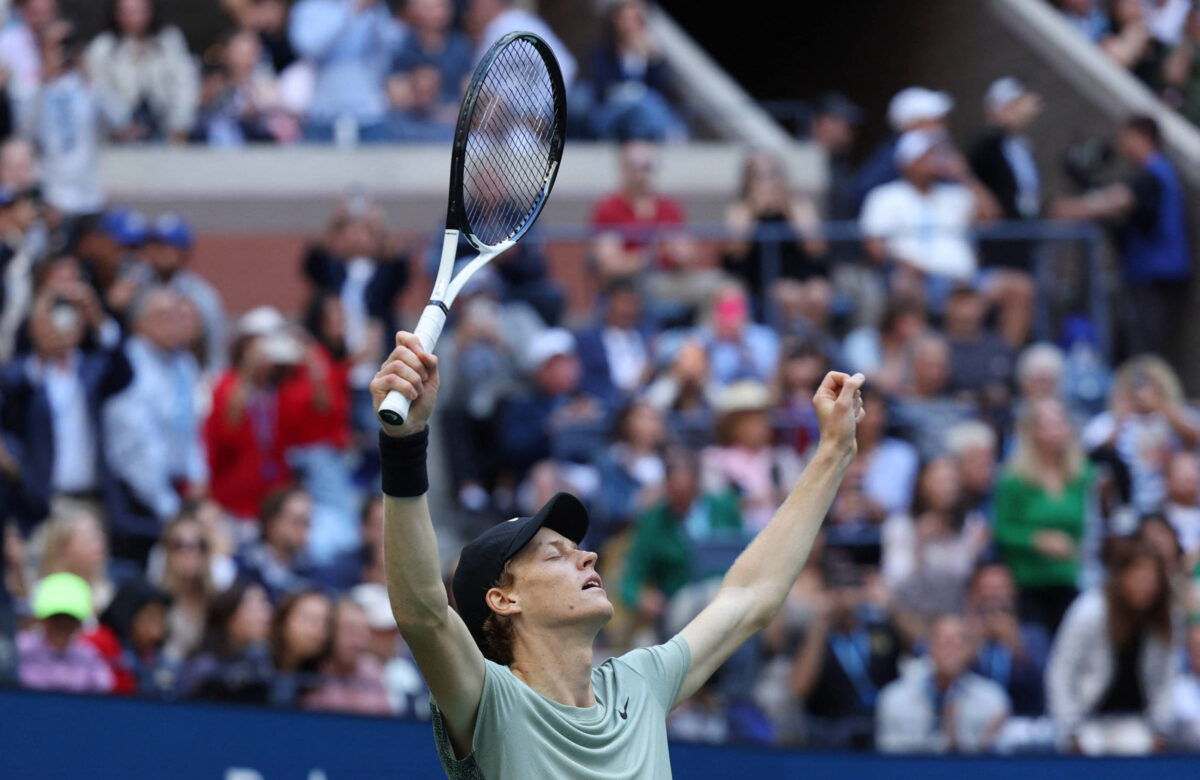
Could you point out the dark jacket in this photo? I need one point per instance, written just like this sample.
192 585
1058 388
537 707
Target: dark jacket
328 273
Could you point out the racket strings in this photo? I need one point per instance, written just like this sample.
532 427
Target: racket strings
510 144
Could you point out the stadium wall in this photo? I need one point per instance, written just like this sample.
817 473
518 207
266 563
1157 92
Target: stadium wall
44 736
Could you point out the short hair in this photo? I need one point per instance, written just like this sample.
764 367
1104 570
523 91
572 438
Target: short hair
1146 126
273 504
499 633
971 433
1039 355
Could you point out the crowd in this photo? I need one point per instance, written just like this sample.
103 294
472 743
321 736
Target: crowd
189 500
286 71
1156 40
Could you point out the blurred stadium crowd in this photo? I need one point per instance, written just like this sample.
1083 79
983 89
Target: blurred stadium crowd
189 500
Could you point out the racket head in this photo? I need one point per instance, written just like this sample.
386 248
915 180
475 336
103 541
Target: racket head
508 142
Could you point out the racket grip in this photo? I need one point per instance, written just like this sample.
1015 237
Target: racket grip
394 409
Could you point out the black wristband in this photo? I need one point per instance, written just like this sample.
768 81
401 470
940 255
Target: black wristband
403 461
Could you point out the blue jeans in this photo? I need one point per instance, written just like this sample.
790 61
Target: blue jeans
648 116
336 504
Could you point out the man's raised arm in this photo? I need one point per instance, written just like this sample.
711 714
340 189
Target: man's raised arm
756 585
442 646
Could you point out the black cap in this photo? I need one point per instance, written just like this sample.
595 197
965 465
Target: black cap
482 560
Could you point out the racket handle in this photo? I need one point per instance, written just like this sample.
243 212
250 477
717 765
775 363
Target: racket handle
394 409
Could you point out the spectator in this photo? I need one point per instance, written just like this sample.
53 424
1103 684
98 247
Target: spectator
929 553
131 635
1041 510
1111 668
1002 159
972 444
1010 653
1131 43
301 642
406 690
489 20
739 349
52 655
145 68
776 247
890 464
18 162
745 458
66 118
615 351
555 403
351 679
981 362
1182 509
52 400
1186 695
234 662
351 44
848 656
241 101
1086 17
926 412
267 18
1147 422
166 254
802 367
640 232
432 41
279 562
364 563
1039 373
938 705
884 353
106 246
187 576
21 54
912 108
244 434
921 222
631 469
686 392
1155 254
359 262
670 540
151 432
1166 19
834 128
632 81
73 540
21 250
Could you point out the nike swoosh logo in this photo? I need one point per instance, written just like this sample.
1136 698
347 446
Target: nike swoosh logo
625 711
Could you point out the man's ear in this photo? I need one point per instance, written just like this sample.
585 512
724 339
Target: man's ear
502 603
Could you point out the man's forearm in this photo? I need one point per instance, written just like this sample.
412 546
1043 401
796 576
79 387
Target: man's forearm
770 565
414 573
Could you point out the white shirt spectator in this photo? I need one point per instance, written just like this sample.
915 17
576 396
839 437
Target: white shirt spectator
514 19
890 473
74 439
160 71
151 429
19 55
927 230
626 352
1166 18
907 719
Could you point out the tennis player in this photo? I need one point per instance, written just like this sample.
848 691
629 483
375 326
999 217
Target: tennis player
515 694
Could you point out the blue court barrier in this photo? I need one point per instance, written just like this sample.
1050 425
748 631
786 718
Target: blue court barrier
62 737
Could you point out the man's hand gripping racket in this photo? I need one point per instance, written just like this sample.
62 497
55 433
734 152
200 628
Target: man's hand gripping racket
507 147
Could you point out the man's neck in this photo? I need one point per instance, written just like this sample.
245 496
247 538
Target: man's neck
557 669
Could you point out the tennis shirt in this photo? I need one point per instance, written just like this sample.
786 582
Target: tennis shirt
521 734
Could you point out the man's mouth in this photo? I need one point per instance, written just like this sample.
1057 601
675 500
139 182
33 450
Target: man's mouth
592 582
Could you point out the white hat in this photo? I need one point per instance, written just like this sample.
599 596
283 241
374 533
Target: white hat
261 321
373 598
917 104
1002 92
914 145
547 344
746 395
278 344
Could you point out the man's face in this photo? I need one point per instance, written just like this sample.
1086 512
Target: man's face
289 530
965 311
833 132
163 258
56 327
18 165
555 586
59 630
429 16
559 375
1134 146
993 589
931 367
638 162
159 323
624 309
949 648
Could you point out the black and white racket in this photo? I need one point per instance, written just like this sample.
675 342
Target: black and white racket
507 147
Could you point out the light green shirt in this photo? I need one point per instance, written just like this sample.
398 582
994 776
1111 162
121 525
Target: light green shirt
521 734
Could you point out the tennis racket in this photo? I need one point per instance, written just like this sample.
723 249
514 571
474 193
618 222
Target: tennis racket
507 147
